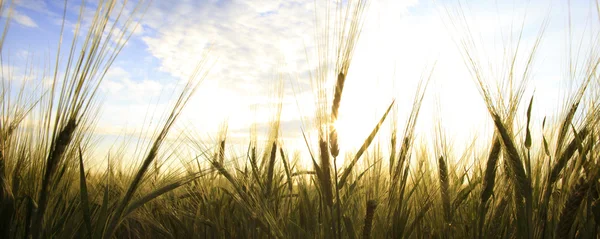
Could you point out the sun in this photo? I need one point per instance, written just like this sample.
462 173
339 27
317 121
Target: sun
351 133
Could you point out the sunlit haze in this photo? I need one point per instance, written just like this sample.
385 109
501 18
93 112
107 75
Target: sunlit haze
254 48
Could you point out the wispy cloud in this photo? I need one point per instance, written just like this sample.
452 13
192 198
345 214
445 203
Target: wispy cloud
251 39
22 19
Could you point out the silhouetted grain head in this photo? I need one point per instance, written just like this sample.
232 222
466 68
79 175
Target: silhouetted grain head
571 208
489 177
59 147
337 97
325 179
444 186
271 168
369 215
334 146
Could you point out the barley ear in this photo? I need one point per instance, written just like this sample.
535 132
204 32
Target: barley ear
371 206
444 185
570 209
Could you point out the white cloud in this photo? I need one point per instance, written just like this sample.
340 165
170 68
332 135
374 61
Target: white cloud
119 86
23 19
246 43
129 103
35 5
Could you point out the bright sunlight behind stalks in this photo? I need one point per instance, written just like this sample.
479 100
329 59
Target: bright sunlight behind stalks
299 119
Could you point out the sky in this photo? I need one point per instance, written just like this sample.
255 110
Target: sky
257 45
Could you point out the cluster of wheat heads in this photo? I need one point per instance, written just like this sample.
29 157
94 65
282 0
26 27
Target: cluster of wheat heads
524 185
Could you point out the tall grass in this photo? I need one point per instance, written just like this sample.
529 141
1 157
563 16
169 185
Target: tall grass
527 184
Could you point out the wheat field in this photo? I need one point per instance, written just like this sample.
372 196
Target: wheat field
521 184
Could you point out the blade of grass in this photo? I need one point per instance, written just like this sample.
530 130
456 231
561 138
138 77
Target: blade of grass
363 148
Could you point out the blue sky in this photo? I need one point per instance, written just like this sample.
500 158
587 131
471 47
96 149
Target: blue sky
256 42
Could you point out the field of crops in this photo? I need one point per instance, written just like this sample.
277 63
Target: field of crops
523 184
